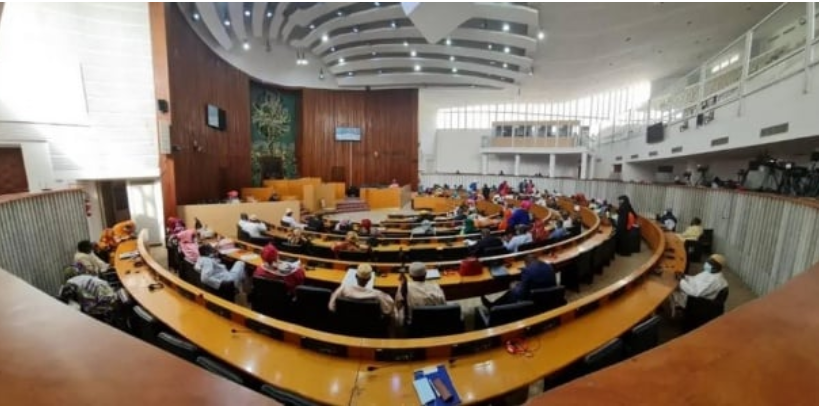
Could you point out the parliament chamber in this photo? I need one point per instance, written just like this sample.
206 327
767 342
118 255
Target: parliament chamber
408 203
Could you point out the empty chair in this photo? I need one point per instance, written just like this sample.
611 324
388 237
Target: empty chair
227 290
219 369
360 318
643 336
354 256
177 346
291 248
423 254
568 274
311 307
548 298
270 298
429 321
609 354
699 311
494 251
453 254
585 271
189 274
706 241
241 235
502 314
284 397
144 325
599 260
527 246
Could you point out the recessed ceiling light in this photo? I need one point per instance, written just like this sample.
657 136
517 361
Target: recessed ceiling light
448 41
355 29
339 13
349 73
375 53
541 35
393 24
247 13
196 16
377 4
489 46
413 53
340 61
227 23
505 27
269 14
417 68
324 38
246 45
506 49
406 44
312 26
454 70
505 66
452 58
332 49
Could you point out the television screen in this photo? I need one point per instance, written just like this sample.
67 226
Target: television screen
348 134
215 117
655 133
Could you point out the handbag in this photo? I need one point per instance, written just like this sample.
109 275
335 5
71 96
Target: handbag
470 266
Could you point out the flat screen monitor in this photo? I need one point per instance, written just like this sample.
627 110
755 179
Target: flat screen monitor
655 133
348 134
215 117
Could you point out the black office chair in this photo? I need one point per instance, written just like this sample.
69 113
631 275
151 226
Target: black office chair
311 307
177 346
354 256
144 325
599 260
227 290
699 311
644 336
569 276
635 240
270 297
609 354
218 368
527 246
241 235
494 251
707 241
548 298
585 271
173 256
423 254
289 248
503 314
360 318
430 321
284 397
454 253
189 274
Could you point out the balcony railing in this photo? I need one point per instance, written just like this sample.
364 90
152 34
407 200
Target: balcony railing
533 142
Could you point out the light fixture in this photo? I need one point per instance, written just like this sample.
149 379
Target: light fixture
246 45
321 74
349 73
269 14
448 41
355 30
312 26
506 49
377 4
196 16
417 68
380 71
227 23
332 49
505 66
454 70
489 46
505 27
406 44
340 61
452 58
393 24
339 13
541 35
247 13
324 38
413 53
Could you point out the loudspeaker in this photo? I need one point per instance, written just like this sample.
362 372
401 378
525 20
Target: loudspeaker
163 106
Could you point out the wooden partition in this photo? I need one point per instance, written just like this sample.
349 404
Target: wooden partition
386 198
223 217
434 204
261 194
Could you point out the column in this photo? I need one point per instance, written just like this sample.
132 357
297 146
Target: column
592 160
552 162
517 164
484 164
584 157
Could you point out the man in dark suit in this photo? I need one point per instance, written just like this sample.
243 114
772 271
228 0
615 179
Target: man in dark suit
536 275
487 241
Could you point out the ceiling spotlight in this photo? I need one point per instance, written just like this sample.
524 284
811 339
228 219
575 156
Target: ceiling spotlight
417 68
340 61
227 23
349 73
393 24
506 49
196 16
448 41
324 38
489 46
452 58
413 53
505 66
321 74
312 26
454 70
332 49
339 13
406 44
505 27
247 13
355 30
246 45
375 53
269 14
541 35
377 4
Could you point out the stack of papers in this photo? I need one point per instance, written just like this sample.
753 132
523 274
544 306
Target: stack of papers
129 255
228 251
433 274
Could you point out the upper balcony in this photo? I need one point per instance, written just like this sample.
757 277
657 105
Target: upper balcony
536 137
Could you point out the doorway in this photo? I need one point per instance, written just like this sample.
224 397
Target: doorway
12 171
113 201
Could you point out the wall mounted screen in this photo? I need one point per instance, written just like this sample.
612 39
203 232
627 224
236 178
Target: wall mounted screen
215 117
348 134
655 133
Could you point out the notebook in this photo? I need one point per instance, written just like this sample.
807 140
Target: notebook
429 374
350 279
433 274
498 271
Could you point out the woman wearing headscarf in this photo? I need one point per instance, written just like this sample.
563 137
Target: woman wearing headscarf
188 246
292 274
626 225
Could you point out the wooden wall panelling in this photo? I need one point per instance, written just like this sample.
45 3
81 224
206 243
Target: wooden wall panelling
159 52
12 171
199 77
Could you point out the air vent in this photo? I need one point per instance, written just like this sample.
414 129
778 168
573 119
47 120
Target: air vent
618 158
652 153
635 156
773 130
719 141
676 150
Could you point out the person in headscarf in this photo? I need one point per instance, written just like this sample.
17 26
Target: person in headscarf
426 228
520 216
343 226
296 237
366 227
233 197
668 220
94 295
626 223
292 274
188 246
350 243
485 191
506 211
90 262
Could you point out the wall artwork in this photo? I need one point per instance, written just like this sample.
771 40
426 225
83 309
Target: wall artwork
273 144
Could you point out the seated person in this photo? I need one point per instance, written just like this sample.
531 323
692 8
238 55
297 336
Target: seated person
315 223
707 284
233 197
360 291
536 275
539 231
254 227
416 292
568 222
426 228
366 227
469 226
694 231
296 237
111 237
214 272
521 237
93 295
487 241
90 262
394 184
350 243
559 232
188 246
274 197
343 226
289 221
668 220
520 216
292 274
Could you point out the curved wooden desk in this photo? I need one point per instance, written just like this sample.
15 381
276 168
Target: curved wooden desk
289 356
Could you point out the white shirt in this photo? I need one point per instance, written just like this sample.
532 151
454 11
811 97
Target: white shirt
290 221
255 230
215 272
704 284
419 294
669 224
516 241
91 262
568 223
361 293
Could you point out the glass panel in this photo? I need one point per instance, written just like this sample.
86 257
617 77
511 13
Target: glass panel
778 36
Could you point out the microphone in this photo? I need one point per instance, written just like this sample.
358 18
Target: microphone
235 331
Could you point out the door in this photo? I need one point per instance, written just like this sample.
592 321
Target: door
12 171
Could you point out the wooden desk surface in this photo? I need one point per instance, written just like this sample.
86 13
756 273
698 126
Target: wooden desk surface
54 355
765 352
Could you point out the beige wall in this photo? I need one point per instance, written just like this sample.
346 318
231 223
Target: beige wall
222 218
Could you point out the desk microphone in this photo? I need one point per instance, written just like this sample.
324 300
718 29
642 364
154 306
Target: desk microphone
234 331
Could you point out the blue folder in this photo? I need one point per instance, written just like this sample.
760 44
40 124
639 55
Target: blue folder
440 373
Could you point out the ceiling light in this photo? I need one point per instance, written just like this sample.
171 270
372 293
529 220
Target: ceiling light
448 41
375 53
196 16
246 45
349 73
541 35
454 70
393 24
505 27
247 13
340 61
332 49
452 58
505 66
377 4
417 68
406 43
227 23
321 74
506 49
413 53
339 13
324 38
312 26
489 46
355 30
269 14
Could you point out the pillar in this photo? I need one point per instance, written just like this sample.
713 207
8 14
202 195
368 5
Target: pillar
592 165
484 164
552 163
517 164
584 157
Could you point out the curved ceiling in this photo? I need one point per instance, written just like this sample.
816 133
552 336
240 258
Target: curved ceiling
545 51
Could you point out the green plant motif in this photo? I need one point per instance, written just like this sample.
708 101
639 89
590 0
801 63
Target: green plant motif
272 119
